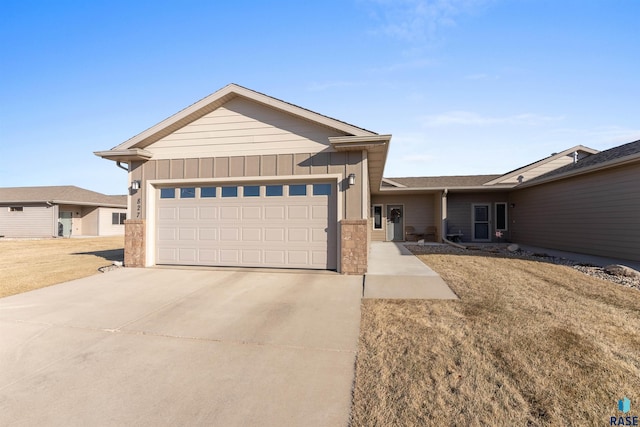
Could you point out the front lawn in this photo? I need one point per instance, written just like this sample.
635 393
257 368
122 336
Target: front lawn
528 343
31 264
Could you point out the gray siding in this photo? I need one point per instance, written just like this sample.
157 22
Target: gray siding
341 163
596 213
419 212
459 207
33 221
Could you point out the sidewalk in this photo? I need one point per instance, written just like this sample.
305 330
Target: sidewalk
395 273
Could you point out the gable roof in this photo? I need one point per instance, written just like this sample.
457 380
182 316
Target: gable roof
442 181
134 147
530 169
615 156
63 194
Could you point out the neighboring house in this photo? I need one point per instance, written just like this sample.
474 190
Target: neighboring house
60 211
243 179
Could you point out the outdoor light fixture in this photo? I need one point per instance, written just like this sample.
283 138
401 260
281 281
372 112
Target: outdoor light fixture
352 178
135 185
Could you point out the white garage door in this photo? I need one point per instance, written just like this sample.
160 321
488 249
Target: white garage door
248 225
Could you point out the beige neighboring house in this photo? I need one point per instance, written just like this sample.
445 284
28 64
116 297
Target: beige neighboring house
244 179
60 211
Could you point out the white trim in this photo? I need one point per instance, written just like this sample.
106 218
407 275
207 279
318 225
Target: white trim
152 186
373 223
366 192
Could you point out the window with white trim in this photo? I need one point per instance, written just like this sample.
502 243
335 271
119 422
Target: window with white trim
377 217
118 218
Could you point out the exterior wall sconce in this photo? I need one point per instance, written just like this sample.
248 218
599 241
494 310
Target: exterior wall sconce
352 178
135 185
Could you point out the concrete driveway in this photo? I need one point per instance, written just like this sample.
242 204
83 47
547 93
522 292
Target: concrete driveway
181 347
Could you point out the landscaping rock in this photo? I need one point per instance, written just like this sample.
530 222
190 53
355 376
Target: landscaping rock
513 248
621 270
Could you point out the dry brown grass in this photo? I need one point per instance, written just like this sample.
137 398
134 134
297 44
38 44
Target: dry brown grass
528 343
31 264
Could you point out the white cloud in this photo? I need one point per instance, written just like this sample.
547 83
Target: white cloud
415 20
601 137
468 118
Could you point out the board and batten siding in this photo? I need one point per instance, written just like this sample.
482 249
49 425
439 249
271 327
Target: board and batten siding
90 221
418 212
32 221
243 127
328 162
459 212
596 213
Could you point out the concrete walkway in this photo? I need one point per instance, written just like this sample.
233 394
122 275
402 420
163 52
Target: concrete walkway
168 347
395 273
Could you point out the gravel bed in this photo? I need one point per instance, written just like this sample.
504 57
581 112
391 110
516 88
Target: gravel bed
501 251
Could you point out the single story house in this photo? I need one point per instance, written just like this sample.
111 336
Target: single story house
60 211
244 179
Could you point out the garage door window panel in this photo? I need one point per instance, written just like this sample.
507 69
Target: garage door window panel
251 191
188 193
321 189
298 190
229 191
167 193
274 190
207 192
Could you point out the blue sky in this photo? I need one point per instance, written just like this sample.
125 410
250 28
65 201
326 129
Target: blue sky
464 86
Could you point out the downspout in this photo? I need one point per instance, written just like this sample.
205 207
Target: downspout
118 164
444 225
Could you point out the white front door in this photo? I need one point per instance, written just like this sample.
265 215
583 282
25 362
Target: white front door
395 222
481 222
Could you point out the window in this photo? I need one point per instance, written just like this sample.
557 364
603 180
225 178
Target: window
229 191
377 217
298 190
16 209
274 190
321 189
207 192
167 193
251 191
118 218
501 216
188 193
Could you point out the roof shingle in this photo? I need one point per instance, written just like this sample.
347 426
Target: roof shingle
58 194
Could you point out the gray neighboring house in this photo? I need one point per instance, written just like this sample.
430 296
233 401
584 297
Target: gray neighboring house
60 211
240 178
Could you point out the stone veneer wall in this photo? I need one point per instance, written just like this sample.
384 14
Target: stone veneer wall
134 233
354 246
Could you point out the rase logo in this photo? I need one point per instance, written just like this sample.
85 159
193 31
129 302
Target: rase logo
624 406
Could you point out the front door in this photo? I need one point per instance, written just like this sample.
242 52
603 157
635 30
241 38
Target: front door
481 222
64 224
395 223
